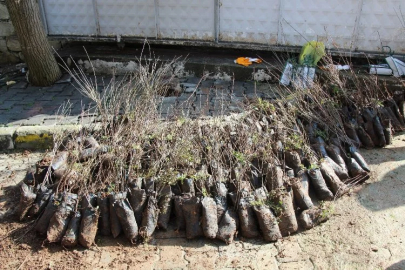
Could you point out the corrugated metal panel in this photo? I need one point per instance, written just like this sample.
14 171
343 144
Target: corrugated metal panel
186 19
332 22
127 17
249 21
347 24
70 17
380 25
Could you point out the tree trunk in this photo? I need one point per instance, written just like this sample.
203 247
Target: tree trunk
42 65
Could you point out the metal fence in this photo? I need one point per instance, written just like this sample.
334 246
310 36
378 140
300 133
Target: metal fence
363 25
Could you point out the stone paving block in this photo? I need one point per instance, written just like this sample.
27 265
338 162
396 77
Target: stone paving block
266 260
5 95
289 251
6 138
55 88
105 80
68 92
251 96
238 90
56 100
171 257
7 105
222 83
28 102
206 83
201 260
193 80
66 78
48 96
33 89
169 100
19 85
202 99
190 90
167 108
5 117
243 259
203 91
49 109
188 85
187 96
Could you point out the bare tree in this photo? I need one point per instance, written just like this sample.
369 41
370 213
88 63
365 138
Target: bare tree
42 65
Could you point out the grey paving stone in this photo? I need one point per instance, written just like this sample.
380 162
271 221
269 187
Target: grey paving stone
206 83
202 99
7 105
167 109
222 83
186 97
253 95
19 96
169 100
219 112
188 85
55 88
5 117
204 91
193 80
238 90
5 95
49 109
190 90
57 100
66 78
19 85
105 80
27 102
235 109
48 96
201 109
33 89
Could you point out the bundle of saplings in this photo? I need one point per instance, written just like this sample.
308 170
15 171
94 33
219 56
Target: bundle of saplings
261 174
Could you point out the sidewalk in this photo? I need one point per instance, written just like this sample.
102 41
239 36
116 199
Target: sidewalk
35 111
24 105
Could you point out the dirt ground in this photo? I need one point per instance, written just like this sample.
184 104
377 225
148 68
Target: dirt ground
366 231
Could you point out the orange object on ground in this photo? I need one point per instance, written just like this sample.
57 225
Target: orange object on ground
247 61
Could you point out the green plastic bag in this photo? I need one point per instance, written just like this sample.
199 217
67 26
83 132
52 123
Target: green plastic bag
311 53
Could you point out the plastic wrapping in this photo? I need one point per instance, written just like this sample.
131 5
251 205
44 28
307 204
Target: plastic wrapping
209 217
192 214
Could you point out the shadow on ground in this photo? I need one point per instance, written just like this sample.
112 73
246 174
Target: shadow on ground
397 266
386 188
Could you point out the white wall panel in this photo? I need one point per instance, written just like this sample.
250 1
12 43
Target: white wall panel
70 17
186 19
127 17
332 22
381 24
253 21
362 25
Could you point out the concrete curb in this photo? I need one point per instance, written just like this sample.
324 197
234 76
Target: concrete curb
32 137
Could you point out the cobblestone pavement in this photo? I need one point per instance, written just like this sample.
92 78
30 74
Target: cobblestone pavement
24 105
365 231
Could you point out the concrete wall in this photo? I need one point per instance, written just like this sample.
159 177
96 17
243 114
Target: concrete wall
10 49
